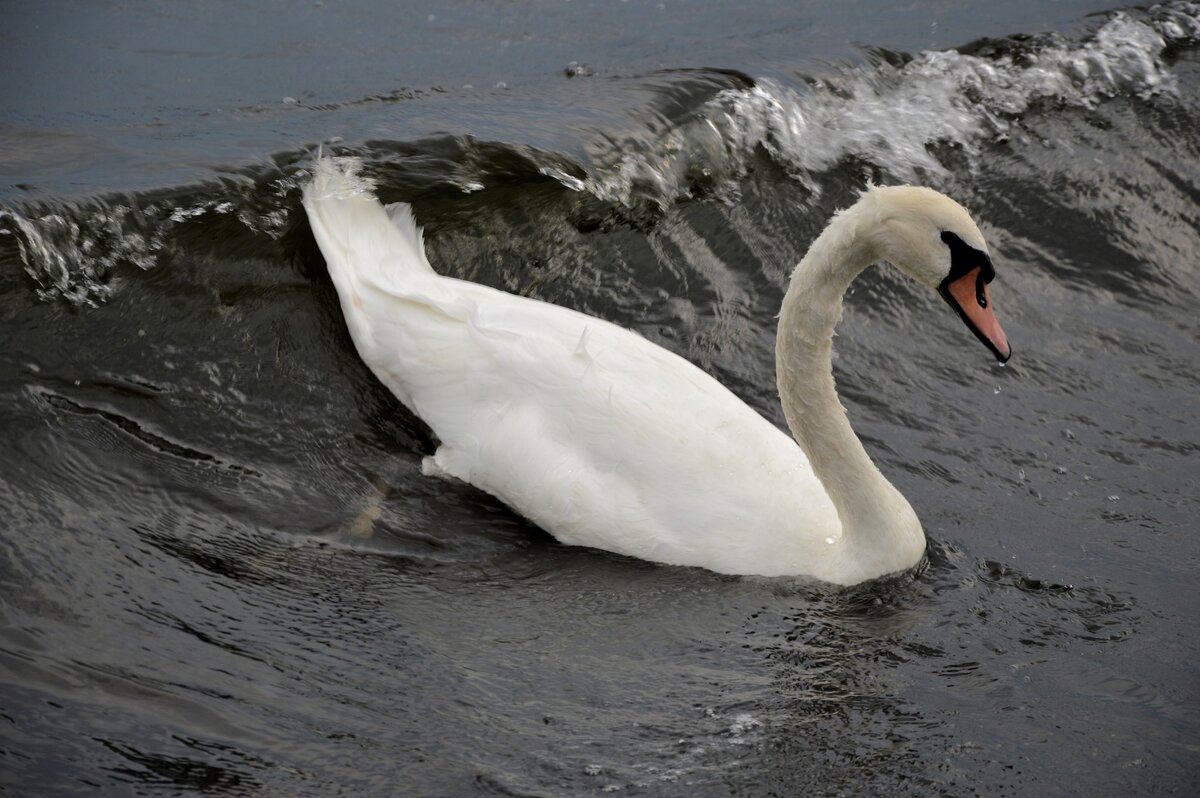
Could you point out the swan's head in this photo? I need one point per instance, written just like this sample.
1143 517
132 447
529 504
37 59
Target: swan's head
934 240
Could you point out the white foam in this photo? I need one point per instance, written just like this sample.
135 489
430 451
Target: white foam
889 116
743 724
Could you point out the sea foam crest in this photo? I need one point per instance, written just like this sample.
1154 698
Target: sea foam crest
889 116
1178 22
70 253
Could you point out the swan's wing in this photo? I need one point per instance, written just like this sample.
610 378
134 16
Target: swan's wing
594 433
588 429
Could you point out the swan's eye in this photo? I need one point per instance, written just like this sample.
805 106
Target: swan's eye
964 258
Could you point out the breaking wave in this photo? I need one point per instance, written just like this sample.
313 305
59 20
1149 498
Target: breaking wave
897 116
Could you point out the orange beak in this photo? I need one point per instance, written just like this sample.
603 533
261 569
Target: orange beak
968 295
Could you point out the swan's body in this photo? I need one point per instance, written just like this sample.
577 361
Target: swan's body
607 440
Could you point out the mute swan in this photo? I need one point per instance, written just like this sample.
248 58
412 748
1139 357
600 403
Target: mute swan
607 440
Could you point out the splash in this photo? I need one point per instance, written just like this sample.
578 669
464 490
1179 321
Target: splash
70 253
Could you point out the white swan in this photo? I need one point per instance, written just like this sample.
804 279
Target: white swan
607 440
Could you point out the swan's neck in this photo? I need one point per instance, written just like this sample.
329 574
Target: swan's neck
879 530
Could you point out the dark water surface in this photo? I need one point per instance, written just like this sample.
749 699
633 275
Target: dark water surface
222 573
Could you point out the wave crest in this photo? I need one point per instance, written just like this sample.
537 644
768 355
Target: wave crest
891 115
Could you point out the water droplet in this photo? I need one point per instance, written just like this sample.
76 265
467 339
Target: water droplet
830 540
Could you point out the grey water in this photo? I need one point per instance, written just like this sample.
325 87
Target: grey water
222 572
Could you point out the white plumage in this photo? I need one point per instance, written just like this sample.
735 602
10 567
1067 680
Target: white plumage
592 432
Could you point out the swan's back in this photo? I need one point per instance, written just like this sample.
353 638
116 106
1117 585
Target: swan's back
594 433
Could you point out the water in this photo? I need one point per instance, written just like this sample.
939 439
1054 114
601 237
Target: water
223 572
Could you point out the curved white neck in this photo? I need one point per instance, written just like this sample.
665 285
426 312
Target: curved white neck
880 531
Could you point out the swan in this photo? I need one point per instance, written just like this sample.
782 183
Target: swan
607 440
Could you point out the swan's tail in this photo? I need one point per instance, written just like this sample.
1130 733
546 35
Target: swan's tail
363 242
